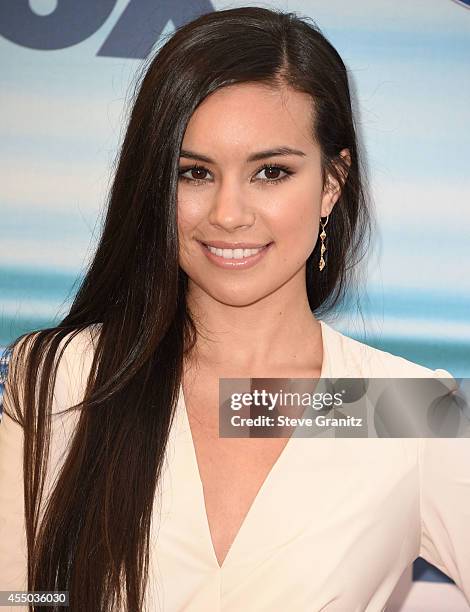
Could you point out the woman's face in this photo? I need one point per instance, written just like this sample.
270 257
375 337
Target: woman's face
228 198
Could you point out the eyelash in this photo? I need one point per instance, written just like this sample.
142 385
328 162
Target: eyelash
288 174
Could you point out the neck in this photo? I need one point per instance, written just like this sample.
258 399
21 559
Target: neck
273 336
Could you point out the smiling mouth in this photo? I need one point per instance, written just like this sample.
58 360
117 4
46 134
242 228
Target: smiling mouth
237 253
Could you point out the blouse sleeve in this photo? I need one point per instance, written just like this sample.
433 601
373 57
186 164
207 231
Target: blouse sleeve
13 550
72 375
444 465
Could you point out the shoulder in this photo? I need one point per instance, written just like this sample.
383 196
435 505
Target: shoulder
76 351
81 344
75 354
356 358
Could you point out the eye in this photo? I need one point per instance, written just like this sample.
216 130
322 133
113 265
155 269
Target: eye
197 173
272 172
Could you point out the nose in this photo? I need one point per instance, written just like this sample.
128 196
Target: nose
230 209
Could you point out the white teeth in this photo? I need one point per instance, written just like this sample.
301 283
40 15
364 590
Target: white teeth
234 253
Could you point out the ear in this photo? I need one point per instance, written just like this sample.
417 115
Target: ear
332 190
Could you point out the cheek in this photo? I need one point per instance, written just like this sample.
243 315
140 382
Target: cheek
185 226
296 221
189 214
297 218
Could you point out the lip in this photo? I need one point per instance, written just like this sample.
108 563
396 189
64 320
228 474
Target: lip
220 244
236 264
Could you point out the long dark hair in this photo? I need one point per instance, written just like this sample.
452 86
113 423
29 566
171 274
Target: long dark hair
91 536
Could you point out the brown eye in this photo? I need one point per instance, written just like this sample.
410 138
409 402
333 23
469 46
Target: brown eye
193 174
272 172
198 173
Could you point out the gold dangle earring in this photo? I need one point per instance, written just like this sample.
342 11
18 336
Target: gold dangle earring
321 265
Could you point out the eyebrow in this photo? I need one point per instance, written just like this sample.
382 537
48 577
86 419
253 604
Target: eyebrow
253 157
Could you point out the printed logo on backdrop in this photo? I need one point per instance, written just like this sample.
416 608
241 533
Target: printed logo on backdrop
58 24
69 23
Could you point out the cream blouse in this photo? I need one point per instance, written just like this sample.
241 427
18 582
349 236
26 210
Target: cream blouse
333 527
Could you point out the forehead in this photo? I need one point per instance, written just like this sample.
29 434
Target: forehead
248 116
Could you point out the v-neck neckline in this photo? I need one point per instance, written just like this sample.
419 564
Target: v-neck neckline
195 474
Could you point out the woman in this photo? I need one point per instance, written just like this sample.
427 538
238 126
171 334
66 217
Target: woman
240 151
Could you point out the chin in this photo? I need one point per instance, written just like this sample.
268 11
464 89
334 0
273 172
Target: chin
236 297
